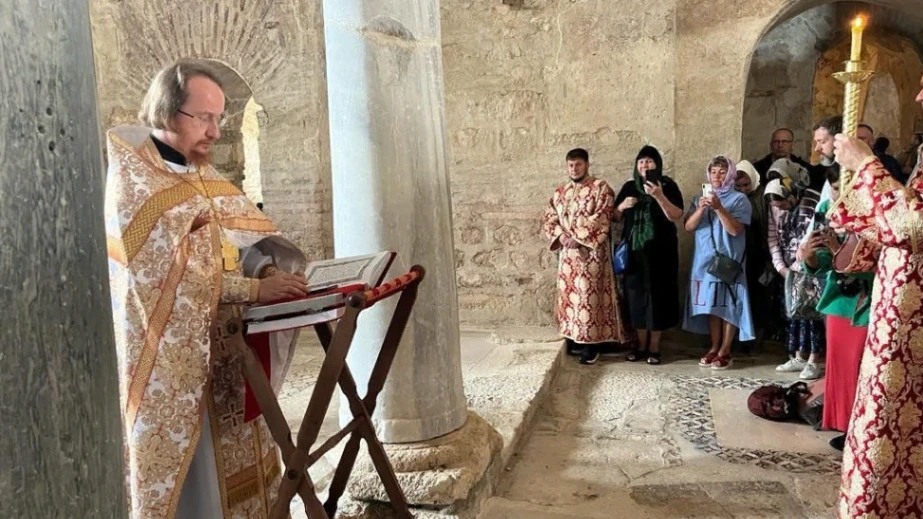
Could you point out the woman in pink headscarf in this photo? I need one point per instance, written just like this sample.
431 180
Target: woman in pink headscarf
718 302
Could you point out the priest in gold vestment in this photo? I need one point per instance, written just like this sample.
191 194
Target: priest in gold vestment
186 251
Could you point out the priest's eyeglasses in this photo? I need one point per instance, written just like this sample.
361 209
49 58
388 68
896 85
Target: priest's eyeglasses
218 120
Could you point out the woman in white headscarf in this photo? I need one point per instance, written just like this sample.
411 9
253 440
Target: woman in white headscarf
760 274
792 206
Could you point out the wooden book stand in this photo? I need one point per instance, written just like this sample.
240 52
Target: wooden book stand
334 371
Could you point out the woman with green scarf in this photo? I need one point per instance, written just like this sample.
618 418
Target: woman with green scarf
649 205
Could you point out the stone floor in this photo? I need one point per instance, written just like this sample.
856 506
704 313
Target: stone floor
629 440
506 374
623 440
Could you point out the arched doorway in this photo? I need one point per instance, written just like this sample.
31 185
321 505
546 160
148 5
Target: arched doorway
888 100
237 154
790 82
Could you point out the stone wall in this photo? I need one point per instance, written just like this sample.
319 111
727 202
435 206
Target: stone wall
276 48
779 86
523 86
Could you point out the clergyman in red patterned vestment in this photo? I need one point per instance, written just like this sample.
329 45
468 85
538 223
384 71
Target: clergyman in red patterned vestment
883 458
576 224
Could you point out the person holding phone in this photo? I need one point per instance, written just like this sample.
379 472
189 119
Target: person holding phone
846 302
649 205
719 307
792 208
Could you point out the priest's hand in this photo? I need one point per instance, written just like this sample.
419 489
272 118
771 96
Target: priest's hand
851 152
282 286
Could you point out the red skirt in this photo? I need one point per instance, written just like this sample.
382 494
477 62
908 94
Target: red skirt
845 345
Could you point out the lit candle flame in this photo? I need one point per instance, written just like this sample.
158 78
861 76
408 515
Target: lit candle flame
858 26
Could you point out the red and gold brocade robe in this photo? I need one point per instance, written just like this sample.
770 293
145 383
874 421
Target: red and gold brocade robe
883 459
176 309
587 305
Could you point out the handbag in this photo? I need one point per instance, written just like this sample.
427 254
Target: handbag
725 268
621 255
802 293
778 403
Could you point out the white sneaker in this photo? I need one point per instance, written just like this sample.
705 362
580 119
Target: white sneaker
811 371
794 364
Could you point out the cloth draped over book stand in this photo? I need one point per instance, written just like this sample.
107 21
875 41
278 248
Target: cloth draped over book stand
297 456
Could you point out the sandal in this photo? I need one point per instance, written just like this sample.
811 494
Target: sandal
654 359
636 355
708 359
722 362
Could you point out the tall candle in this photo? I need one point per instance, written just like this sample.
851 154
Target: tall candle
857 27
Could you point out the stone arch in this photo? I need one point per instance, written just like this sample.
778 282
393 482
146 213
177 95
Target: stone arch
883 107
888 100
712 60
895 16
277 49
237 154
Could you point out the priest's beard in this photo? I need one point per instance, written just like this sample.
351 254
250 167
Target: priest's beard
199 160
578 180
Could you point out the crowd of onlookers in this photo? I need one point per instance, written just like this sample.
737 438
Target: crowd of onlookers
758 228
766 263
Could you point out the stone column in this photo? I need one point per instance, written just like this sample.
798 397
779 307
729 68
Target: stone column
391 191
60 434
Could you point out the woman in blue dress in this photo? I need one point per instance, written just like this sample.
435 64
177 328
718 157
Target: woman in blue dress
719 219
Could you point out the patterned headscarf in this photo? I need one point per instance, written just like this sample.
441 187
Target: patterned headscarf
793 171
729 180
781 187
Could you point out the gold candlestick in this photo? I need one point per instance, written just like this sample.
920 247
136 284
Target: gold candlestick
853 78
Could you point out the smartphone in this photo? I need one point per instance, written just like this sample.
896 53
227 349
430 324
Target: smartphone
653 176
707 190
820 221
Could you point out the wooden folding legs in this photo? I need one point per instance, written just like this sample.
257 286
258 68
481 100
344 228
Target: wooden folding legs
363 409
334 371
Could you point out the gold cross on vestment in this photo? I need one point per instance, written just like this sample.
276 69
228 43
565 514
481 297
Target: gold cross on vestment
230 254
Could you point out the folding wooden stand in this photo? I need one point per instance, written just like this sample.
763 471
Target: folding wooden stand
334 371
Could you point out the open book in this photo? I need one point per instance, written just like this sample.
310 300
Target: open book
329 283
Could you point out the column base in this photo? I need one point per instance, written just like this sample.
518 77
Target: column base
450 475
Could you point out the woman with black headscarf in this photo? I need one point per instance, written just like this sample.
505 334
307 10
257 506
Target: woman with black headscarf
650 205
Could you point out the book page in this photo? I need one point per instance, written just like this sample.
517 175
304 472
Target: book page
358 269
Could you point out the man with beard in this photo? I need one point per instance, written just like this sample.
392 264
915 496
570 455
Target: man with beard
187 250
576 224
782 143
824 134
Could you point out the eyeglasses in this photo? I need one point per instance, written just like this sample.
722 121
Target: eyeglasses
782 142
217 120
